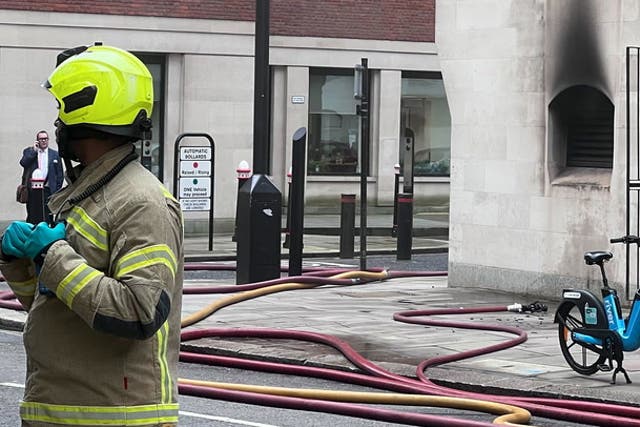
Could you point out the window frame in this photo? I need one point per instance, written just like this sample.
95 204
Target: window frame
422 75
341 169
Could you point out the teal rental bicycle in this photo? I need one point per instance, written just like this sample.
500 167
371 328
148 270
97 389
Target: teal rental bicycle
592 332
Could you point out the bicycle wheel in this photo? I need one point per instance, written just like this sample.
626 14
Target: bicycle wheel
582 358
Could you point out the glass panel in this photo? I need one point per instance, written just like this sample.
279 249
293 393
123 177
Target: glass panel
425 116
334 126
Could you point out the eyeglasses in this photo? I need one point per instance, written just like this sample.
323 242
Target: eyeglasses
43 139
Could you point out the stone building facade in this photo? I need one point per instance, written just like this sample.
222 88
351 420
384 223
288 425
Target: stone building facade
537 92
201 56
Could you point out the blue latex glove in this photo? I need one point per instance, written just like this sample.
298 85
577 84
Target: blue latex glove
42 237
15 238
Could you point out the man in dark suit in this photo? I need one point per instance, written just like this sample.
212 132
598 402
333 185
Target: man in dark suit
43 176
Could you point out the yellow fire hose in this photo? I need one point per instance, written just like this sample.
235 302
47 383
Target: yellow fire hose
509 415
255 293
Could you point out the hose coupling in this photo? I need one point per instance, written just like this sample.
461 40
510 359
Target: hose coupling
517 308
535 307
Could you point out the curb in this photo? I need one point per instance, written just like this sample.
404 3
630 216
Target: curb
204 257
7 323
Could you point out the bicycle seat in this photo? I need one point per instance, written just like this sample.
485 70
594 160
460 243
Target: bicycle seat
597 257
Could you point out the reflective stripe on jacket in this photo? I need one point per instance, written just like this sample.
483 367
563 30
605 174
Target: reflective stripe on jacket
104 350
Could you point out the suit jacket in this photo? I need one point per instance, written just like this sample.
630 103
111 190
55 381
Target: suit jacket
55 175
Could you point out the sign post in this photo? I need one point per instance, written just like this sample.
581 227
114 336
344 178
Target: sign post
193 176
361 92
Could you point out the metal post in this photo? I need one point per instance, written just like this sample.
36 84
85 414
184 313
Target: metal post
409 161
244 173
347 224
261 90
260 216
363 112
287 231
405 226
297 201
396 188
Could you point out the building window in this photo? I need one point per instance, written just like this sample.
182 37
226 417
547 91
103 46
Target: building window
424 116
334 126
582 128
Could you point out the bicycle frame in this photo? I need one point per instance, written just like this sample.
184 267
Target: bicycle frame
596 324
630 336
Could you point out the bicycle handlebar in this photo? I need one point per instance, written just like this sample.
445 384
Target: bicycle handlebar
626 239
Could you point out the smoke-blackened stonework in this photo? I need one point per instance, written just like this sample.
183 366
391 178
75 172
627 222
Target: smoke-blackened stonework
537 96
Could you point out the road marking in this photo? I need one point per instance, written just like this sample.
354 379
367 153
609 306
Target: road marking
15 385
224 419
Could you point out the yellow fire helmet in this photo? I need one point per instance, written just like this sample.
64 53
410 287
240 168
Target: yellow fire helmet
103 88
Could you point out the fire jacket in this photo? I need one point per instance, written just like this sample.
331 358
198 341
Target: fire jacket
104 349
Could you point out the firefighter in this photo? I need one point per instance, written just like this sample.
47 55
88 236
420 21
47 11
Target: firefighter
102 282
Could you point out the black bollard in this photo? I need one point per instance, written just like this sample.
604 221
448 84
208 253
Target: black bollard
37 202
244 173
259 231
396 188
347 224
405 226
287 231
298 172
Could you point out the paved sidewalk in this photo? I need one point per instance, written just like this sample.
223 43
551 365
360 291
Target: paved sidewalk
362 315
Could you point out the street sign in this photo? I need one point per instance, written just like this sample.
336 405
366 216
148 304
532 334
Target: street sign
195 153
193 188
195 204
195 168
193 174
